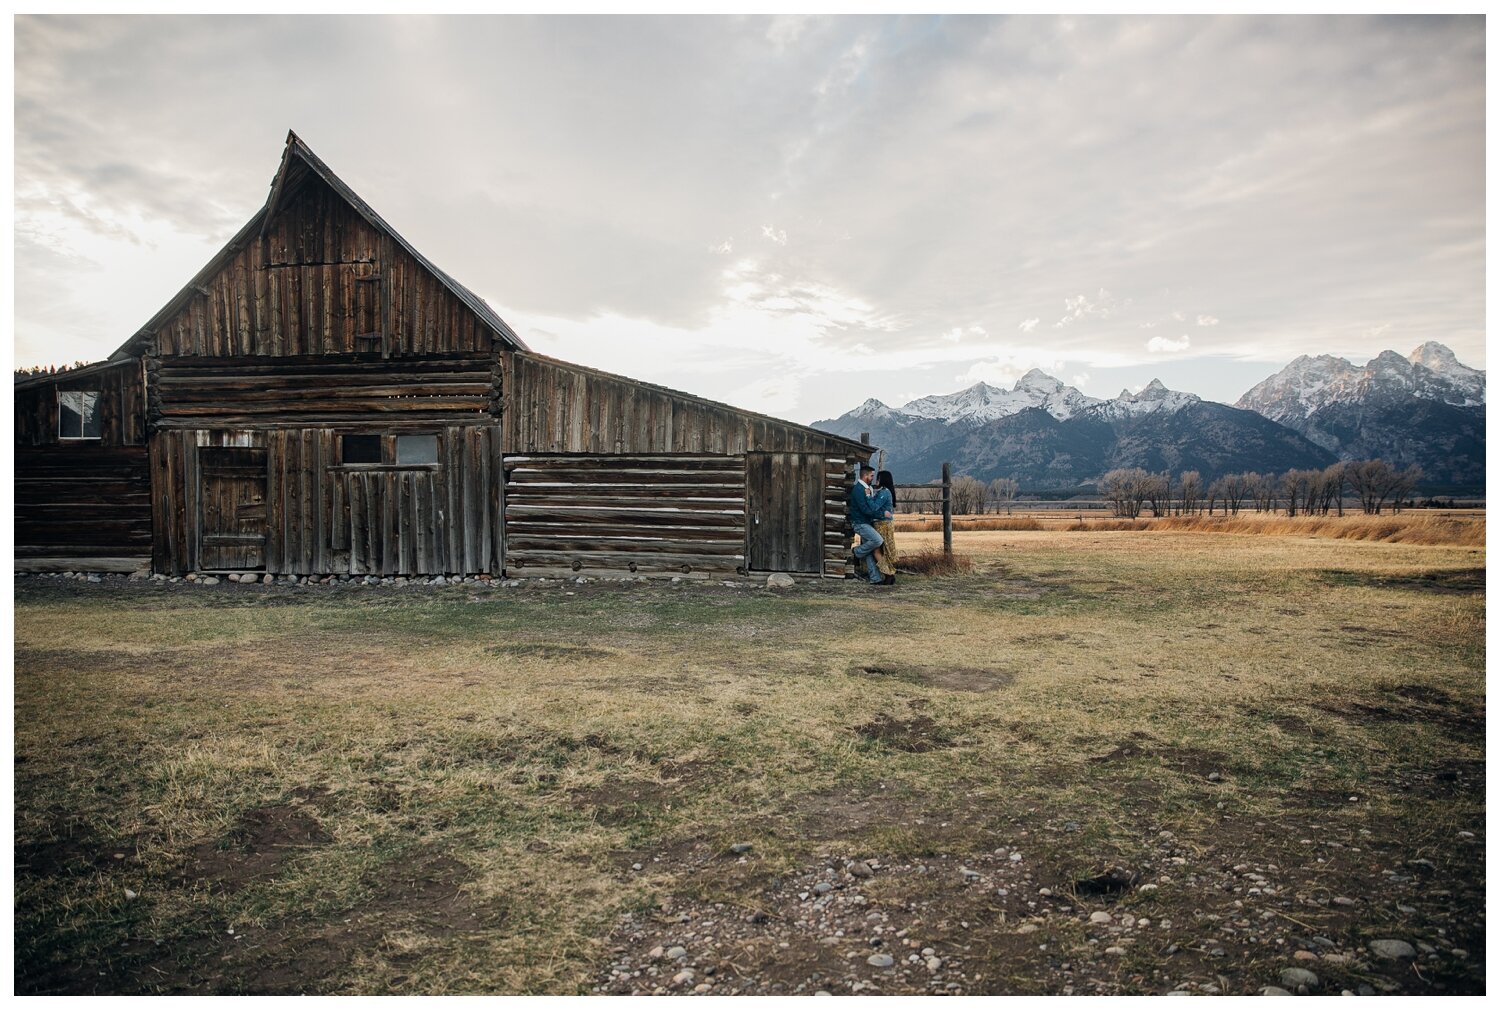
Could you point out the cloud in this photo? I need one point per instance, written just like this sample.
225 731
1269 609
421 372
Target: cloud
1207 321
873 139
1083 307
1027 325
1162 345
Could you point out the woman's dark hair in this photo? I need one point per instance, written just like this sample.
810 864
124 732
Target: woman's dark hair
885 480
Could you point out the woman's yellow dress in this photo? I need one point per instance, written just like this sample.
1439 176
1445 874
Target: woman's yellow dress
885 558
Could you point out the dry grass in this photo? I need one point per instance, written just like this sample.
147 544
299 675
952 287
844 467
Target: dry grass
518 750
934 524
935 563
1402 528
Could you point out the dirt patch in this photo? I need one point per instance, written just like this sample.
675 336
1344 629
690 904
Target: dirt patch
1109 885
70 853
621 802
949 678
256 848
1189 760
916 735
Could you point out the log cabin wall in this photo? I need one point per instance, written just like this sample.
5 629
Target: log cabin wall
83 503
82 507
578 441
188 391
122 398
324 516
686 515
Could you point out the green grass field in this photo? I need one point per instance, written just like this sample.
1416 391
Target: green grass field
247 789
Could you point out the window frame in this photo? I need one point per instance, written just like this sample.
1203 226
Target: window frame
81 414
388 451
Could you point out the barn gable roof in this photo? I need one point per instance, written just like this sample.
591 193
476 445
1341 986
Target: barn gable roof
297 162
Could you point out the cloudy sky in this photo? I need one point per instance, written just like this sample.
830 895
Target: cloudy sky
793 214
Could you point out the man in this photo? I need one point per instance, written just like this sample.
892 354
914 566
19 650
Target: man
862 512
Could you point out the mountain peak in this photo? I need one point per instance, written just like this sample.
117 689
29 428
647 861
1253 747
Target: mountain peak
1433 354
1040 381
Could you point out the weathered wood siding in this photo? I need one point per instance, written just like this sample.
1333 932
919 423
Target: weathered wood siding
553 407
679 515
322 281
665 514
82 501
325 517
189 392
122 413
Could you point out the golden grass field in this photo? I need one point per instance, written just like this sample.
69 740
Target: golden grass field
382 790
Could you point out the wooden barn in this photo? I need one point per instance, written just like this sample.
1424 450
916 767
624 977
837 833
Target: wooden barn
322 400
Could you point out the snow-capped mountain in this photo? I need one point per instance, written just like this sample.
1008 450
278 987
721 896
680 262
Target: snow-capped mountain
1307 385
1154 399
1426 409
982 402
1047 434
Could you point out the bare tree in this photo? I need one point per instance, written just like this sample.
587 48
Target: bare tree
1125 490
968 496
1263 488
1234 488
1003 491
1157 489
1374 481
1191 489
1333 487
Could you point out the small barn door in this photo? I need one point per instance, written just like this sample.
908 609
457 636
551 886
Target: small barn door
784 512
232 508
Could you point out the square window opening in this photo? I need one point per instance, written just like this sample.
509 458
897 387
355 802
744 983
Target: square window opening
416 449
77 414
360 449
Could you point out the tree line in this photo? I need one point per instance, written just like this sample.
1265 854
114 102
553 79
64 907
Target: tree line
1375 484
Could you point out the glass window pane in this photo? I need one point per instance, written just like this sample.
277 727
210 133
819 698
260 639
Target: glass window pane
416 449
69 419
361 449
89 408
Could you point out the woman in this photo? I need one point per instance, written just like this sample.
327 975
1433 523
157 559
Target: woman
885 502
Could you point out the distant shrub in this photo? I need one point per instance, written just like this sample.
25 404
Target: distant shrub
934 562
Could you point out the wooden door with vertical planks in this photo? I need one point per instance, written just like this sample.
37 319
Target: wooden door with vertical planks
232 508
784 511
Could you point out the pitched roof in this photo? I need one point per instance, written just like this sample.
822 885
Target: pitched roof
296 154
694 398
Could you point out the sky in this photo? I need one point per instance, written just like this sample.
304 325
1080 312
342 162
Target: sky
792 214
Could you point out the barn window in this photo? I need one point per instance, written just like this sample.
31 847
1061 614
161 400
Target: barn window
78 414
361 449
416 449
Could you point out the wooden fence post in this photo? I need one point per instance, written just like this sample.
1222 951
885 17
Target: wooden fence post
947 511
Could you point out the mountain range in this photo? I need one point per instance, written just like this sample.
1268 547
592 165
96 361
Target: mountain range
1426 409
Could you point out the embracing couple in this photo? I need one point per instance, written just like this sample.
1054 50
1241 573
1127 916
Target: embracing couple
872 511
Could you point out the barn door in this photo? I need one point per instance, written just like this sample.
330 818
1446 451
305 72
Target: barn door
784 514
232 508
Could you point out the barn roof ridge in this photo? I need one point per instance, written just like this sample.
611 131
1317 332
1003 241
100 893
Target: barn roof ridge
682 394
295 145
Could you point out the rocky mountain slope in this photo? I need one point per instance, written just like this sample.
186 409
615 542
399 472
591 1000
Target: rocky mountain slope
1426 409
